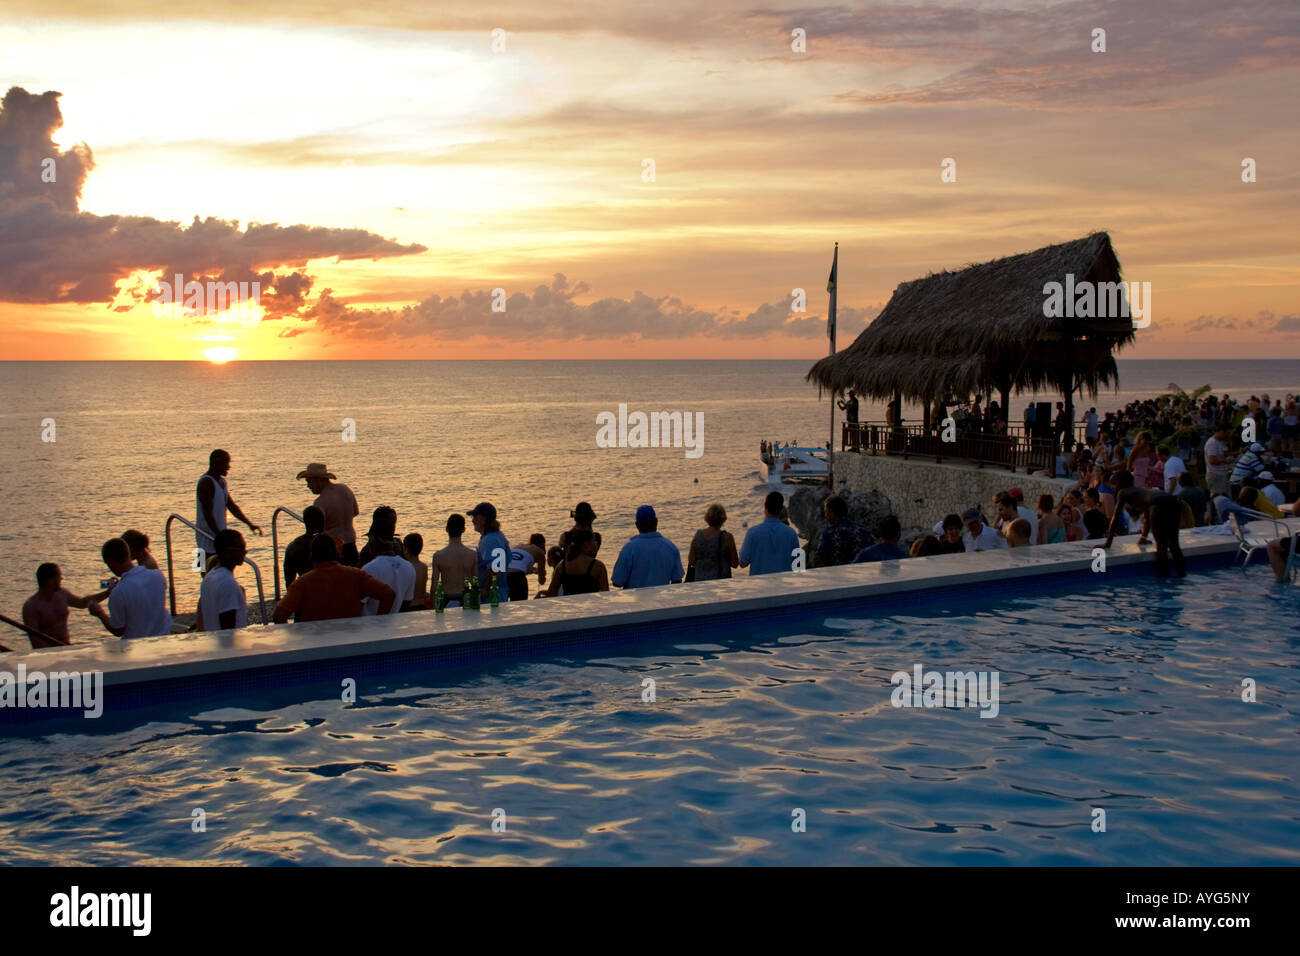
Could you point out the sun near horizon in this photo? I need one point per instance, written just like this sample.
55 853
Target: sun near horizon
418 186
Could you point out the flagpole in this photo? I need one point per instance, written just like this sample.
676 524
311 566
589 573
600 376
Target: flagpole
832 288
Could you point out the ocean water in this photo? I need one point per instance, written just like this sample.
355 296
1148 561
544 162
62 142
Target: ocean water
1125 698
132 438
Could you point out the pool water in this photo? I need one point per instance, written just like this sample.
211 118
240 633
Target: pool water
1126 698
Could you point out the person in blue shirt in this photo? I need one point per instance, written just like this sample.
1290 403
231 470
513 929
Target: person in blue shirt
648 559
769 546
891 529
491 543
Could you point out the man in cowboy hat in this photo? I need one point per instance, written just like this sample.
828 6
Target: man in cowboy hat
340 507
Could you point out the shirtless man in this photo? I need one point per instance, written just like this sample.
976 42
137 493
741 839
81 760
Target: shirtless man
47 610
1161 515
454 563
340 507
212 501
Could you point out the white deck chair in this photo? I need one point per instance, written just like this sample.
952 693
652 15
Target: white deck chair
1252 541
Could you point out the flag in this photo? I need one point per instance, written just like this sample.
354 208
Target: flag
830 287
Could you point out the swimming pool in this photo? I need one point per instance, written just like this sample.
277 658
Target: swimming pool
1126 698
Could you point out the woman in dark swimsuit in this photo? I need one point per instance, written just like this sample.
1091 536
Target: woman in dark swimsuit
580 572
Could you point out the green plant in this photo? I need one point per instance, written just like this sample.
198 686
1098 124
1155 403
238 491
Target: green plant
1181 397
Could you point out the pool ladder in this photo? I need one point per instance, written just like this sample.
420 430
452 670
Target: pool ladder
171 571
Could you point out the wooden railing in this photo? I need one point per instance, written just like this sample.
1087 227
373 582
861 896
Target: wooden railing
1015 452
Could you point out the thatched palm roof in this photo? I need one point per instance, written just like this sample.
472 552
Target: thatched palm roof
982 329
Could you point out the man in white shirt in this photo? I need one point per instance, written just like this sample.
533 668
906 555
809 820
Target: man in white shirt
223 603
1091 429
979 536
393 569
137 606
1174 466
1018 510
1216 461
1269 490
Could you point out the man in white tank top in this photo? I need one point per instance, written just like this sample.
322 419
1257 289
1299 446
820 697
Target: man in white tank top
212 501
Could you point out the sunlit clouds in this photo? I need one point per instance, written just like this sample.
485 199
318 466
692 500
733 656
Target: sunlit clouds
383 171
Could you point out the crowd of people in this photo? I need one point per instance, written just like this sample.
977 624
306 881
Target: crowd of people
1157 466
327 576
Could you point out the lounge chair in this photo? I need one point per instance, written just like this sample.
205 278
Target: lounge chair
1250 542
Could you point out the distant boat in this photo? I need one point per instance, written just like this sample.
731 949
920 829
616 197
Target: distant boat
793 462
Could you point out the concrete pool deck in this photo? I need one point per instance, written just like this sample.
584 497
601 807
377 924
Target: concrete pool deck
159 659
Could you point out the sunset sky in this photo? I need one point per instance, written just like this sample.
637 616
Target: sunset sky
383 169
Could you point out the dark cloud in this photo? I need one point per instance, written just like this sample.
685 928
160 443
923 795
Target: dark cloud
50 251
1043 59
1288 323
551 312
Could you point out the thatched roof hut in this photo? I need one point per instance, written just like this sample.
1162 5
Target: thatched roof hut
982 330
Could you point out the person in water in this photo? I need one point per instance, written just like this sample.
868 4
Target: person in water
1161 515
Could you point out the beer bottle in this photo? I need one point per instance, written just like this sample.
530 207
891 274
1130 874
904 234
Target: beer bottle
439 599
495 599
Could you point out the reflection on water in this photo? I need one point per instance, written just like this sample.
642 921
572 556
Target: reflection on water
1125 699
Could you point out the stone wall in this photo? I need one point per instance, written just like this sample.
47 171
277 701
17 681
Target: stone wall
922 492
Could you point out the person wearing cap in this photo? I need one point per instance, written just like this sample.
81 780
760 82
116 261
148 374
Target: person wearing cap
1248 466
583 518
1269 490
340 507
493 548
648 559
979 536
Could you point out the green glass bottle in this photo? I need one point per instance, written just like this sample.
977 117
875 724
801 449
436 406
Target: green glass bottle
439 599
495 599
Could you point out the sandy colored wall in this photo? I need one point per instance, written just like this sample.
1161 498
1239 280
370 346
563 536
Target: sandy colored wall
922 492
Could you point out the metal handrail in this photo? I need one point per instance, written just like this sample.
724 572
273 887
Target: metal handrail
171 573
33 635
275 544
